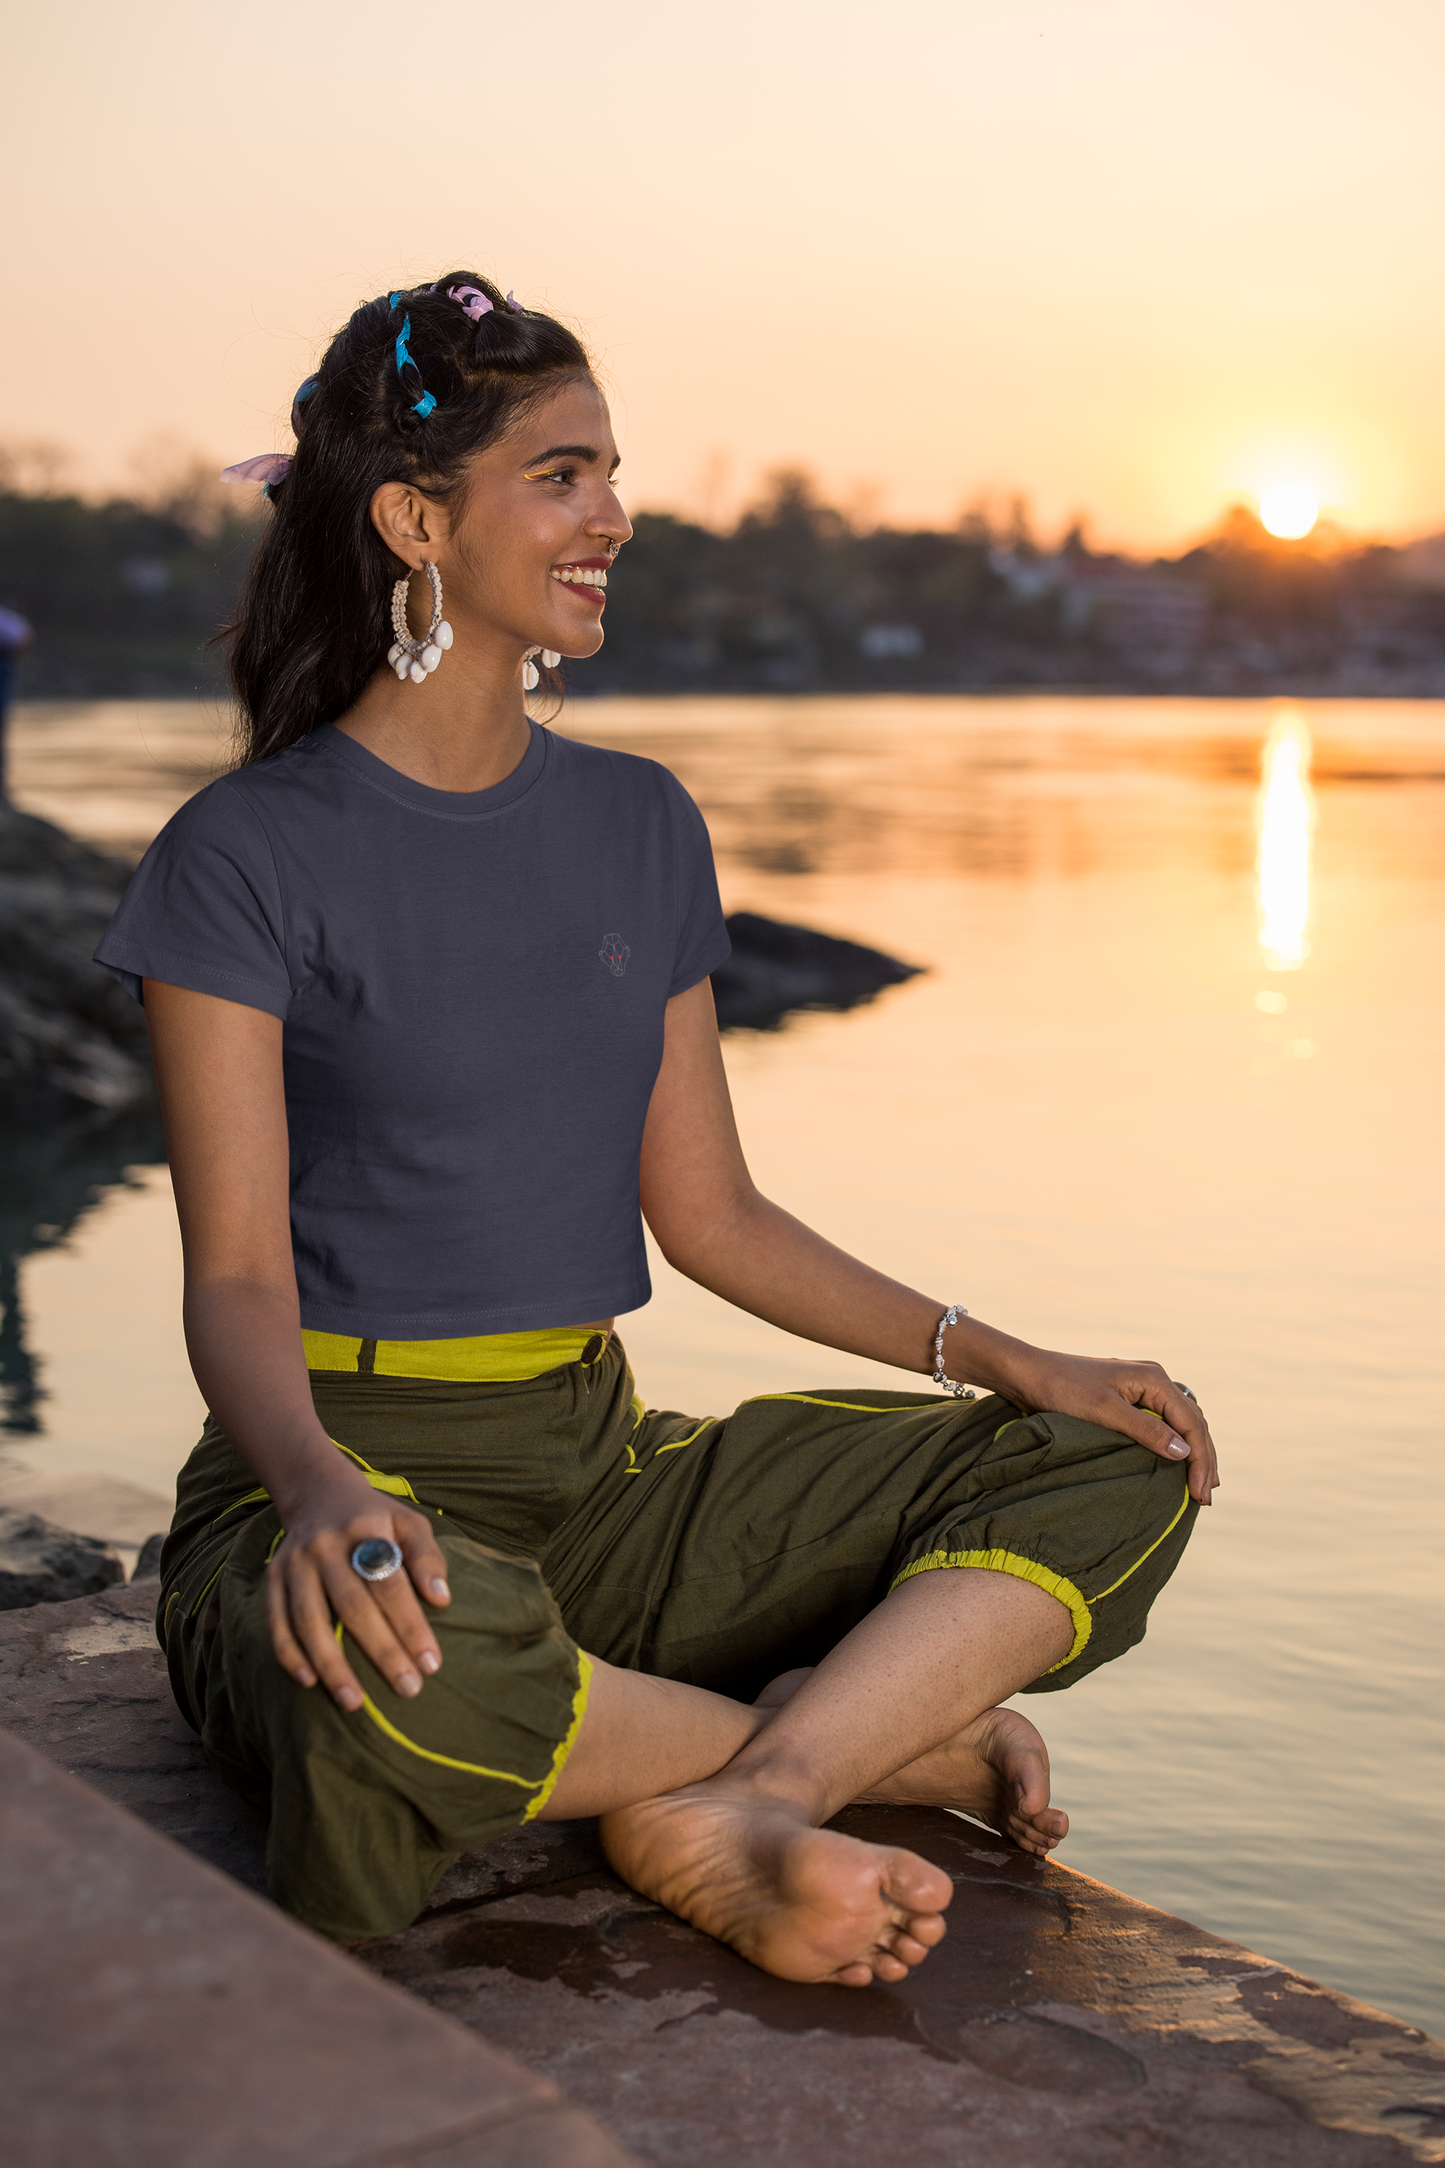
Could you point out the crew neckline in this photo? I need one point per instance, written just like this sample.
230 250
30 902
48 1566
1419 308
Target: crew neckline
454 805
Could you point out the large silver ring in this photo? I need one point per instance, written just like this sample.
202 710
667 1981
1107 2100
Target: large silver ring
376 1558
1181 1387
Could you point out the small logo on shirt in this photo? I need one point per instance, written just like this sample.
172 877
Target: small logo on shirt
614 953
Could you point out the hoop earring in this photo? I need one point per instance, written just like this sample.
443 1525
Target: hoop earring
416 659
530 675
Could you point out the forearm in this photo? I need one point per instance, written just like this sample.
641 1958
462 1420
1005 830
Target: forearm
757 1256
244 1339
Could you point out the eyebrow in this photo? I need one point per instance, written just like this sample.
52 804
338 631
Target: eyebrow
587 452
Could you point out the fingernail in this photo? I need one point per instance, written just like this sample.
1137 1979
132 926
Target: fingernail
407 1682
440 1590
1179 1449
306 1676
428 1662
349 1698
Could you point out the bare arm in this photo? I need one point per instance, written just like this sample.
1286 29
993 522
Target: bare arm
219 1070
712 1224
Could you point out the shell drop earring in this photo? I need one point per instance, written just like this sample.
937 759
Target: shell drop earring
416 659
530 676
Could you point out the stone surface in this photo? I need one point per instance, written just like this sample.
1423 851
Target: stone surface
71 1041
776 968
165 2016
147 1565
86 1682
40 1563
1059 2022
122 1514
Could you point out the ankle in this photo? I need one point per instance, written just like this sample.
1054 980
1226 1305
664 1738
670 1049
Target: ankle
771 1778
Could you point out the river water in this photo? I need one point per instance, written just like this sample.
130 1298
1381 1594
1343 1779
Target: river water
1170 1086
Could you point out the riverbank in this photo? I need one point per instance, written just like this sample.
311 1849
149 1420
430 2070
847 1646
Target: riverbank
1058 2017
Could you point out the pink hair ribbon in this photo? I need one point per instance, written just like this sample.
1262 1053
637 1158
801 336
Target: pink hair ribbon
265 467
472 299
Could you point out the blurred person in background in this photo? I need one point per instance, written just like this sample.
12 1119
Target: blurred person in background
14 638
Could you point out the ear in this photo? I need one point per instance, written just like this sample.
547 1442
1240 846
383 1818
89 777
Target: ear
410 524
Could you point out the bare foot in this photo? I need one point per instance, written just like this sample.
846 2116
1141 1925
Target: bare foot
996 1769
803 1903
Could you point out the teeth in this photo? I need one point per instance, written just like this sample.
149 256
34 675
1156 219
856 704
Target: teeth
574 576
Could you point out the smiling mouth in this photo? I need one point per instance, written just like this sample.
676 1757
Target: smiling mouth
590 578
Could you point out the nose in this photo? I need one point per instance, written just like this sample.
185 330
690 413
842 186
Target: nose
611 521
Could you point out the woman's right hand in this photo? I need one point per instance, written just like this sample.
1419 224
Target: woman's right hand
311 1583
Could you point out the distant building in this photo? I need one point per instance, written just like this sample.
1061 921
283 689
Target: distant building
887 643
1027 576
149 576
1137 610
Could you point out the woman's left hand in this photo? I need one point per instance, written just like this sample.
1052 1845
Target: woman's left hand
1138 1398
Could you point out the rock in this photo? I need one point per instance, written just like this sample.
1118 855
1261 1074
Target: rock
148 1564
98 1505
777 968
86 1683
161 2015
40 1563
72 1042
1059 2020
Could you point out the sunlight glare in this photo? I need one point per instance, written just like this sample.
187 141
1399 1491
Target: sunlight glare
1286 819
1288 511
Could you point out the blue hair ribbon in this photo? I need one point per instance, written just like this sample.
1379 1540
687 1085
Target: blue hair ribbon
426 404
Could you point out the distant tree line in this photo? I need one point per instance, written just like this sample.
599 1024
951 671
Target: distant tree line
126 599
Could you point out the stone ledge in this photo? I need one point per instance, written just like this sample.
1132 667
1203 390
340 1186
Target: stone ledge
1059 2021
167 2016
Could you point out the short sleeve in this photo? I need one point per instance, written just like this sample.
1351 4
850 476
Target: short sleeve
204 908
702 935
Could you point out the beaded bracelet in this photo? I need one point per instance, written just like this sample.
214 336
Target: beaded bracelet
950 1316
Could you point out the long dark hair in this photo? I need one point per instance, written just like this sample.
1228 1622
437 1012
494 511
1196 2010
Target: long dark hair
311 626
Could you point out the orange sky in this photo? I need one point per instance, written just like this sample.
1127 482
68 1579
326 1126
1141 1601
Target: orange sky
1130 257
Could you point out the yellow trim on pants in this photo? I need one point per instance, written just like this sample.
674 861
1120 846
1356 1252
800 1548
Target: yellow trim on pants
542 1786
497 1358
565 1746
396 1486
1023 1569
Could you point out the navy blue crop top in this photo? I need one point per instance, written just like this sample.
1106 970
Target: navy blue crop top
472 987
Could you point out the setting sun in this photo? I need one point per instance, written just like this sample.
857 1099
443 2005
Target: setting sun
1289 510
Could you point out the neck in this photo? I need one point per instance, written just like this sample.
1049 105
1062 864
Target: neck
464 729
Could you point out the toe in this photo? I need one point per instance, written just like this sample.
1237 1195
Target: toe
888 1967
859 1975
914 1885
1039 1832
904 1947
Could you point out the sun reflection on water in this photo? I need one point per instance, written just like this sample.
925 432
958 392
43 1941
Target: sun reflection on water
1286 819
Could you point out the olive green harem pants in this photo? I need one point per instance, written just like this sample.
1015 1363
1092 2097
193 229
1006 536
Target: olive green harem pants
720 1552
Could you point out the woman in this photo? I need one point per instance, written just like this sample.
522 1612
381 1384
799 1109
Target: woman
428 993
